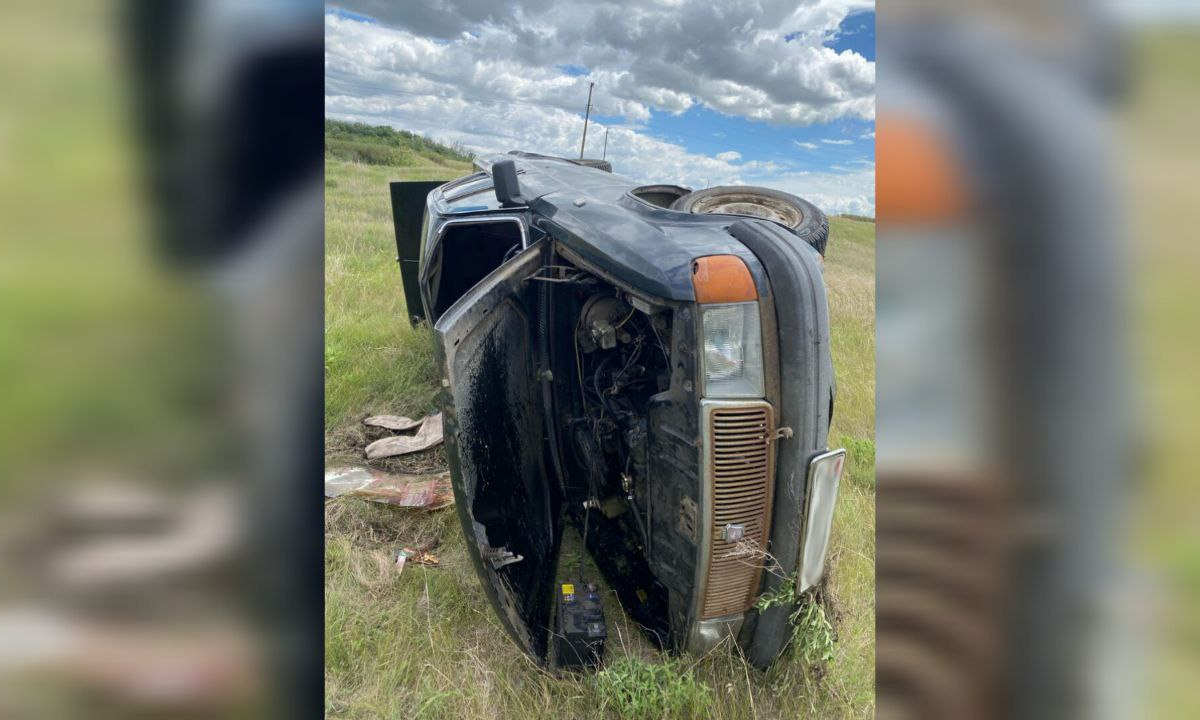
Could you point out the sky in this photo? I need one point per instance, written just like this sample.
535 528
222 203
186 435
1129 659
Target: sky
779 93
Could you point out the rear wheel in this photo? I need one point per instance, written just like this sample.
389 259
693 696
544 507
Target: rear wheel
800 216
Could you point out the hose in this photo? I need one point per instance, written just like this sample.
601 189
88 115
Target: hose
547 388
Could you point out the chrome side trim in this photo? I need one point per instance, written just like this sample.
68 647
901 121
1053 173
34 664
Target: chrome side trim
820 501
439 233
704 635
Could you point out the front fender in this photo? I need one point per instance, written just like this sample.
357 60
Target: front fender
805 405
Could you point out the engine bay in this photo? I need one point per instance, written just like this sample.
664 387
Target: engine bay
611 380
622 362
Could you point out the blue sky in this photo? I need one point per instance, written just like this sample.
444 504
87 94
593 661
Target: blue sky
347 14
857 34
708 132
784 99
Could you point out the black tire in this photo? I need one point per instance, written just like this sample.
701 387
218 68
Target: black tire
798 215
660 195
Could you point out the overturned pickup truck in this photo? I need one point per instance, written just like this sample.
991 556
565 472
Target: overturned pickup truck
647 364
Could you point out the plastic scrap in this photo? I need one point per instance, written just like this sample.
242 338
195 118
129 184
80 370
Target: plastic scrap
413 491
428 434
418 556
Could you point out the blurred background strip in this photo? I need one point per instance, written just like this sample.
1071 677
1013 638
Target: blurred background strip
1036 520
160 295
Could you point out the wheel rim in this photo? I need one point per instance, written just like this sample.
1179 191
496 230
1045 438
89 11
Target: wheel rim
755 205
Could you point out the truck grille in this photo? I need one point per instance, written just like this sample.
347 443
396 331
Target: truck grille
739 474
940 574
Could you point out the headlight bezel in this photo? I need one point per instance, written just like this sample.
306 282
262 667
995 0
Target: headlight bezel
732 330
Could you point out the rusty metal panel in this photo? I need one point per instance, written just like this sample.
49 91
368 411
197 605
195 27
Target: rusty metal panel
739 474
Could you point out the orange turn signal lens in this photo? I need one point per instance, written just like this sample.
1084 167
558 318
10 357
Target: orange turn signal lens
918 180
722 279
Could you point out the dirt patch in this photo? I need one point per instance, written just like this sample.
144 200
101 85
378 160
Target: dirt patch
372 526
432 460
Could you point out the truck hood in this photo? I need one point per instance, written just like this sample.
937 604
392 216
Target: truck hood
593 213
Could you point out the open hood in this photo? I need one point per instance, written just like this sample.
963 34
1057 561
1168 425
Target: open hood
510 513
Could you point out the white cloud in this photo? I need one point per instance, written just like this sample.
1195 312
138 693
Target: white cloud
829 141
496 76
833 192
867 135
488 129
729 55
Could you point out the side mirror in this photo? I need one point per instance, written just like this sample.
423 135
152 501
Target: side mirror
508 190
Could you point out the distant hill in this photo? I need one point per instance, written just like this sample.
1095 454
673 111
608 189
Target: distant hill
382 145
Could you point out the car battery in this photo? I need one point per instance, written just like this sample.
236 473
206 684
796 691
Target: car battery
580 630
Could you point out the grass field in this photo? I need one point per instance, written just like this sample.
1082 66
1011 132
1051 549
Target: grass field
1161 151
426 644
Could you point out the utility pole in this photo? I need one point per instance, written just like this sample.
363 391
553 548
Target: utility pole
604 155
586 114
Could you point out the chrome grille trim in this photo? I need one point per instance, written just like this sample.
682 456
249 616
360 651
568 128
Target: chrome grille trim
737 488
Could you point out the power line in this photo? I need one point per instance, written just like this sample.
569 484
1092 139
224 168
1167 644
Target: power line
666 135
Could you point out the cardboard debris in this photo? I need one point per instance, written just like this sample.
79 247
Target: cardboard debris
413 491
429 434
398 423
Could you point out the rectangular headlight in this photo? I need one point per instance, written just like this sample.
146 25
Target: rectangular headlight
824 473
733 362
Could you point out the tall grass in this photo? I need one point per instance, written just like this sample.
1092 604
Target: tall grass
374 360
426 644
382 145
